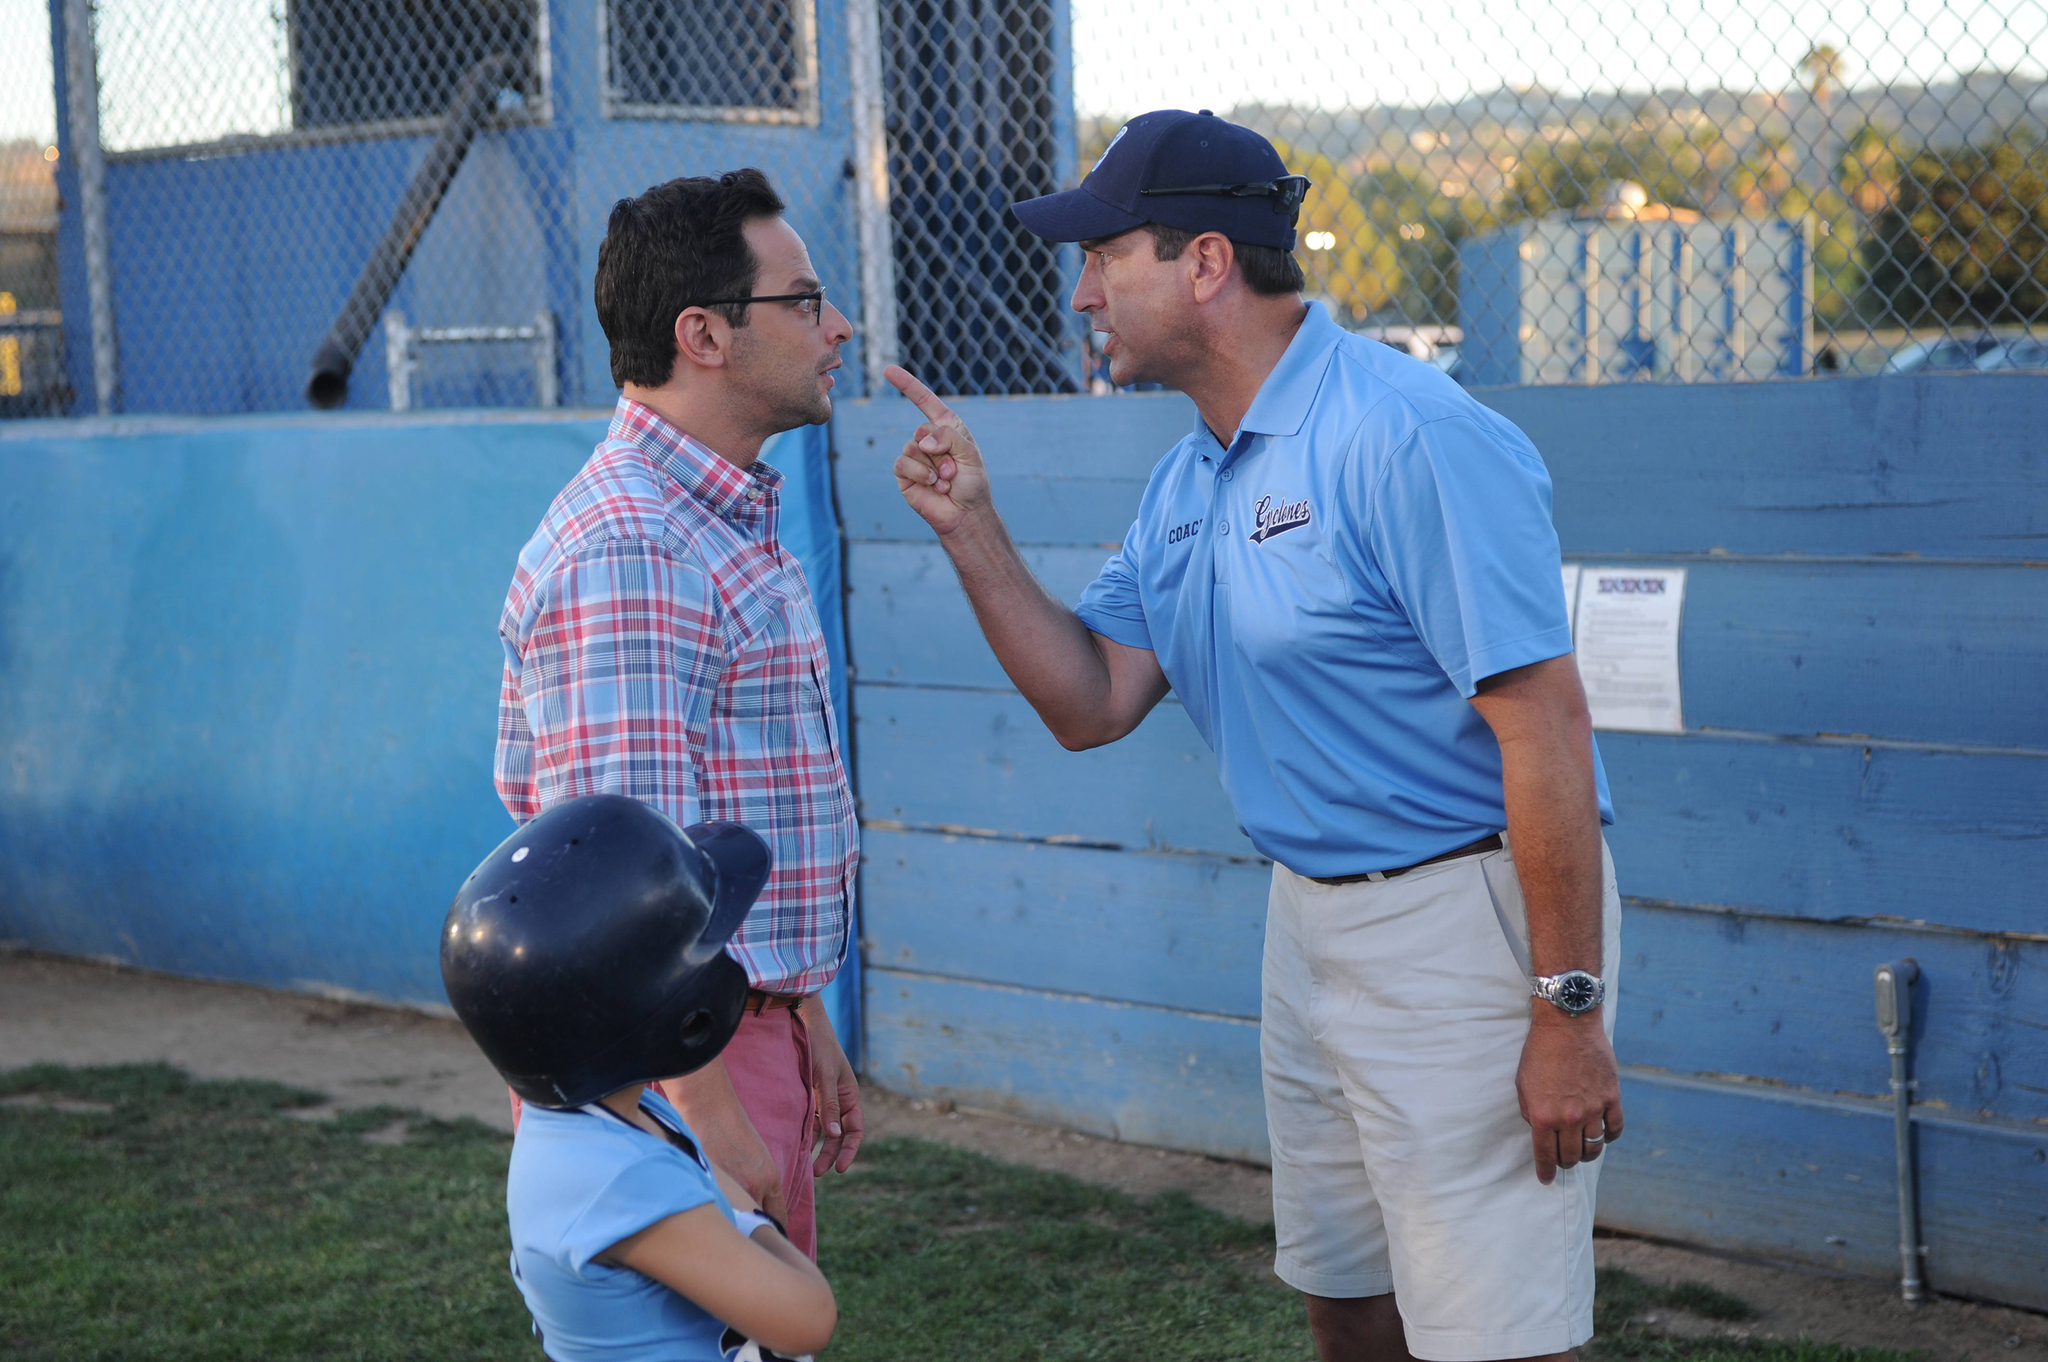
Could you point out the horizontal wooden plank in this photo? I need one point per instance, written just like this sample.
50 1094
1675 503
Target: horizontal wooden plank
1756 1172
1853 466
1774 1000
1142 1074
1914 653
910 621
1798 829
1062 470
1744 1168
1170 931
984 762
1831 829
1941 465
1937 654
1791 1002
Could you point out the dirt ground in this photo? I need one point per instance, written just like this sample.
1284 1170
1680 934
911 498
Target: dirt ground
74 1012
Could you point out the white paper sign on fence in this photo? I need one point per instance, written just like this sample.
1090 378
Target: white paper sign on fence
1571 596
1626 634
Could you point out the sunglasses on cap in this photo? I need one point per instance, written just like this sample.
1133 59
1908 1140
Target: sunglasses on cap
1287 192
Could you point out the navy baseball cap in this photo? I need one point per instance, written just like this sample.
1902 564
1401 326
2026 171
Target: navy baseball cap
1193 171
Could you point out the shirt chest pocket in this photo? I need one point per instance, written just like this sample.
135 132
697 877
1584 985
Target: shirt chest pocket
770 687
1288 594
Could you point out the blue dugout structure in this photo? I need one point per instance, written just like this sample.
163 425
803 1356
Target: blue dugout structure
1863 777
230 261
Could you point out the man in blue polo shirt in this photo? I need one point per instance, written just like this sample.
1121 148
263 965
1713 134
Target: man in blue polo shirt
1347 573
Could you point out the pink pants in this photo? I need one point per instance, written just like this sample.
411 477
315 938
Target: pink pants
770 1063
769 1059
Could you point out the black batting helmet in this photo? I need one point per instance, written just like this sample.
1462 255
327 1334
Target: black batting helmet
587 953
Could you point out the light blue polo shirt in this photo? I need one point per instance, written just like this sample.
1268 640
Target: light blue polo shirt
1326 594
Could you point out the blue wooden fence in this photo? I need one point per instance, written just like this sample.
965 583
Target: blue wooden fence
1075 937
249 674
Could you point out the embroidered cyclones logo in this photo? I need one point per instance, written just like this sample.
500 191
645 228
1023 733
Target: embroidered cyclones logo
1275 516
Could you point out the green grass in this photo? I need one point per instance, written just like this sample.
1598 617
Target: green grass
197 1221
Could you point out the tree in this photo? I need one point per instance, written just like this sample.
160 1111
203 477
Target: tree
1962 238
1357 270
1822 66
1409 207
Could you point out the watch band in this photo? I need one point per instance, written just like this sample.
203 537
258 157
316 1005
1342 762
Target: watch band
1575 992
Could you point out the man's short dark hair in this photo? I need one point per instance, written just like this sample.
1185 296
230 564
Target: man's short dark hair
1268 270
676 246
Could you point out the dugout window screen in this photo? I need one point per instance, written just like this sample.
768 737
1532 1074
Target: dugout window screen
364 62
741 61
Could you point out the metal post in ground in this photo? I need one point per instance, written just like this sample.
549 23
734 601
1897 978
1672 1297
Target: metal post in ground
1895 1020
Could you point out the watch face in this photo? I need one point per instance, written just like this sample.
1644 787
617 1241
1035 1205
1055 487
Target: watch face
1577 992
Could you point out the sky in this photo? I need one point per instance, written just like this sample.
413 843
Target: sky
1204 53
205 68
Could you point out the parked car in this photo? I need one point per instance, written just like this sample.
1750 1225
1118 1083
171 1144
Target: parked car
1953 352
2020 352
1436 345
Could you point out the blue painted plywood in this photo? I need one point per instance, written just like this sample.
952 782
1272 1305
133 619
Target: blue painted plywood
1790 1002
1810 858
1928 654
1128 1072
1784 1001
1063 470
906 607
1760 1171
1916 653
1940 465
983 762
1831 830
1747 1168
1798 829
1171 931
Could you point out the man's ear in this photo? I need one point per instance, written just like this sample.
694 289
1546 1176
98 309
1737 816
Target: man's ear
1210 258
703 338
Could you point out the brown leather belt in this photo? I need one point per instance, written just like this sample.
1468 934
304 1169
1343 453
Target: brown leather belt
1478 848
759 1002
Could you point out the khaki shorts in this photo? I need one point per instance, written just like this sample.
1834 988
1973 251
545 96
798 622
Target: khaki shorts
1394 1017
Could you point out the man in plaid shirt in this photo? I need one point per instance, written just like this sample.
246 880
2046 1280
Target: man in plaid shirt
659 643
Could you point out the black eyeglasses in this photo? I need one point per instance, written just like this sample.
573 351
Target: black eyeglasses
1287 192
815 299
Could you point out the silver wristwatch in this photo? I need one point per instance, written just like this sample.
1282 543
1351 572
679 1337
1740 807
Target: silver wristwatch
1574 992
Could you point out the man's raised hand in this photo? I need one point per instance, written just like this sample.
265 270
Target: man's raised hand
939 472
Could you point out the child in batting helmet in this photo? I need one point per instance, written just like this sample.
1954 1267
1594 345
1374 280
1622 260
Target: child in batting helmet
586 956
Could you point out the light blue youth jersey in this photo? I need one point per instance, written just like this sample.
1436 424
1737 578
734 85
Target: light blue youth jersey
1327 593
580 1182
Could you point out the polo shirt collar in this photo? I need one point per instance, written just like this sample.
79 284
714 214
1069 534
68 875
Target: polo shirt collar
725 488
1284 398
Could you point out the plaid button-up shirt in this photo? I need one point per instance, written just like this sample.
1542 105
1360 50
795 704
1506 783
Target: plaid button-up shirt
660 644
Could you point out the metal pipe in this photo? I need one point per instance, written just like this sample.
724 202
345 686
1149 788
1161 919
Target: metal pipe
1895 1019
472 103
82 107
871 191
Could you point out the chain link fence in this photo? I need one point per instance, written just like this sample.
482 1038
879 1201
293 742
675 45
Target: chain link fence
1520 191
1553 191
32 381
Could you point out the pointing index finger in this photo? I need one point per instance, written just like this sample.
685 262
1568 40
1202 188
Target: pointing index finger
912 387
